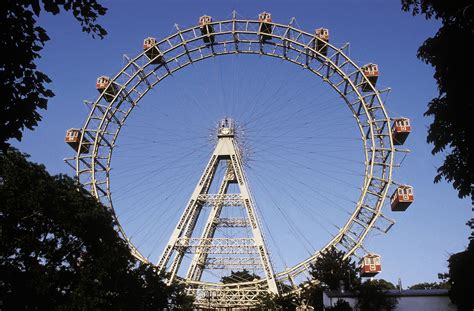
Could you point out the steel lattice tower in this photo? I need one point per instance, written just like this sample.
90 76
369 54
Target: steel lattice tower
252 252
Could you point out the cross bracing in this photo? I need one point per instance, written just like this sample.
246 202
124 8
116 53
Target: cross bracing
232 222
252 263
217 245
231 295
231 199
181 240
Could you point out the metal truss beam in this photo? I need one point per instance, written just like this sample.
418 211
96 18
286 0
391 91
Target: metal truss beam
250 263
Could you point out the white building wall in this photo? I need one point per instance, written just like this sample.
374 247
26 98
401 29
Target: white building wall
330 302
428 303
405 302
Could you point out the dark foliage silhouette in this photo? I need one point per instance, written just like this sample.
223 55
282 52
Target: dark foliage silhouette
59 248
24 90
372 297
460 278
450 52
239 276
332 270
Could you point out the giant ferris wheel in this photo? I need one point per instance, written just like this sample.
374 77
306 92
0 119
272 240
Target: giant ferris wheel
216 220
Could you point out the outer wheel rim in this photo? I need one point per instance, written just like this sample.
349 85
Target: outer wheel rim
105 120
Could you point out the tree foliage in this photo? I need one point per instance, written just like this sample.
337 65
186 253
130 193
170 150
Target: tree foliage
239 276
178 299
340 305
431 285
24 89
383 284
332 270
268 301
460 278
372 296
329 272
59 247
450 53
313 294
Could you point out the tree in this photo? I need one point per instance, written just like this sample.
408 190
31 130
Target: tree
450 53
59 246
332 270
239 276
432 285
313 294
341 305
372 296
329 272
383 284
178 299
268 301
460 278
24 88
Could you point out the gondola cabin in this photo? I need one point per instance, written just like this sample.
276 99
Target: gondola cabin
106 86
265 29
371 72
102 83
402 198
207 30
400 130
370 265
205 20
321 40
73 139
151 51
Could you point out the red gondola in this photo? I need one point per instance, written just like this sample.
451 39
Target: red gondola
152 51
400 130
321 40
402 198
370 265
371 72
265 29
106 86
73 138
207 30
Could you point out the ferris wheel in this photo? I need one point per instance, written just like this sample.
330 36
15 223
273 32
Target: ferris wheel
239 239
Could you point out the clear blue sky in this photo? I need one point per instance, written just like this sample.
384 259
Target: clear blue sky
417 247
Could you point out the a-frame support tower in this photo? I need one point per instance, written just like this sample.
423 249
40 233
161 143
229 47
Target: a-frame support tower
252 251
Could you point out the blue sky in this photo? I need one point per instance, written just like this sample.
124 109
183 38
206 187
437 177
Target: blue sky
416 248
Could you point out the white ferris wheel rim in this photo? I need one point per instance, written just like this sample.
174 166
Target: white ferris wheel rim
186 46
